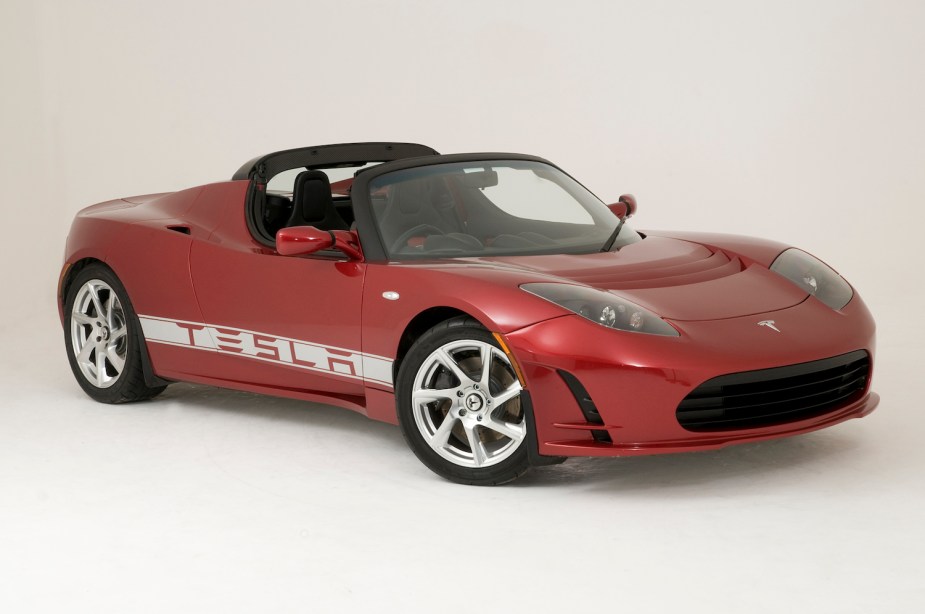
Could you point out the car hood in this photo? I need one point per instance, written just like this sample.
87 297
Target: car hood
679 280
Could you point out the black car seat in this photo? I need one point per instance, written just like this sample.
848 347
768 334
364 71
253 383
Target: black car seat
276 213
312 204
419 201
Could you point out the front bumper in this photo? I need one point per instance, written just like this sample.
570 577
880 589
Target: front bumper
636 381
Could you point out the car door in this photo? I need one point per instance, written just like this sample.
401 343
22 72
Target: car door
289 323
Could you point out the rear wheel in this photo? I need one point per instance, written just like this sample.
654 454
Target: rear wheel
101 333
459 405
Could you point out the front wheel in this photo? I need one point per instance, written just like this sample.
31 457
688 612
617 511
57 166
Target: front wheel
459 405
102 338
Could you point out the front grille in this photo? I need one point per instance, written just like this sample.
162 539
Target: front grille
775 396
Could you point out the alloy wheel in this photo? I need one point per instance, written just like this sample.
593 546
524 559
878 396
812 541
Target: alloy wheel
99 333
466 404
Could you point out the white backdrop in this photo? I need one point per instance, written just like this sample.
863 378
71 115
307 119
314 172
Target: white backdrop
799 121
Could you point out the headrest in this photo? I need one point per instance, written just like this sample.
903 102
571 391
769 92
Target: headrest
414 194
312 194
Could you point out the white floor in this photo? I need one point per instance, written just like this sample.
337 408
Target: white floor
209 500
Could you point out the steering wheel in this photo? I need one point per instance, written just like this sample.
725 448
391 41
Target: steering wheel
402 242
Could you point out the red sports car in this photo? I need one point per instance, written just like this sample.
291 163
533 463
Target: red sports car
487 303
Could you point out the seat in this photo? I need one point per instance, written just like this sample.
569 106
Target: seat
417 202
312 204
276 213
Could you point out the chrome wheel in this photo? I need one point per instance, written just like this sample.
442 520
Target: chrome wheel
99 336
466 404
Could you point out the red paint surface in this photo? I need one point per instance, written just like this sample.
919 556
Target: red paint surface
713 288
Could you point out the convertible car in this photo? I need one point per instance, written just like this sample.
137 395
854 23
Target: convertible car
487 303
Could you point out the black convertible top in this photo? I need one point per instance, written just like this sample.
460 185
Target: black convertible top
329 156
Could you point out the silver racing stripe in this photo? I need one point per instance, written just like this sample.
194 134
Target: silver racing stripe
307 355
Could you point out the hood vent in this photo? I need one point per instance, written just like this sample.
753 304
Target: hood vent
715 266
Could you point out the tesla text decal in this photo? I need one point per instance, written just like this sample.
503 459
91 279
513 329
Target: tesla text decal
262 346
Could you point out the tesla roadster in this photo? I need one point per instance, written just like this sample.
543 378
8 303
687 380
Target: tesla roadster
488 304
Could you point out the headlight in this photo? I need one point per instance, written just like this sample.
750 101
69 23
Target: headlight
814 276
603 308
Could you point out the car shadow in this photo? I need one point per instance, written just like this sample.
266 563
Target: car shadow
738 466
307 414
743 466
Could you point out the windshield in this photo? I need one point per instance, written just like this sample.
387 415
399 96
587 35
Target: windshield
498 207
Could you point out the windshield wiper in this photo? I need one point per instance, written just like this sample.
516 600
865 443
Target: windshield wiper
613 236
629 208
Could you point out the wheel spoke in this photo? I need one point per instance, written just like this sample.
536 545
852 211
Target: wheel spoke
442 434
95 298
100 366
486 353
507 394
447 361
422 396
115 360
110 308
82 319
84 354
479 454
117 334
508 429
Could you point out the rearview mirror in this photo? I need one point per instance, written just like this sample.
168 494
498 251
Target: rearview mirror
305 240
625 207
481 179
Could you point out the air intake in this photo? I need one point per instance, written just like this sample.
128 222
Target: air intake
775 396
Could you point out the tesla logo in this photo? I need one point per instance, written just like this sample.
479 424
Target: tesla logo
474 402
769 324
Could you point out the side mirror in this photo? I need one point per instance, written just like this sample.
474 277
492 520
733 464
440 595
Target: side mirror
305 240
625 207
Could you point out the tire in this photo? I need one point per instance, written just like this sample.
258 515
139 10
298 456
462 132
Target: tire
466 423
102 337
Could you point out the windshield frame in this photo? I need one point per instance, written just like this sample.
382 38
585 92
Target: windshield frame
368 228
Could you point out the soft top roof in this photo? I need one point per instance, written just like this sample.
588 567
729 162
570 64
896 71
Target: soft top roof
329 156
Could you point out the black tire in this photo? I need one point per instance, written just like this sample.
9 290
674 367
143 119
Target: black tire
129 385
457 329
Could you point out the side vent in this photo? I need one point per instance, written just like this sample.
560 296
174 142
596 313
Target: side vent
588 408
181 229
